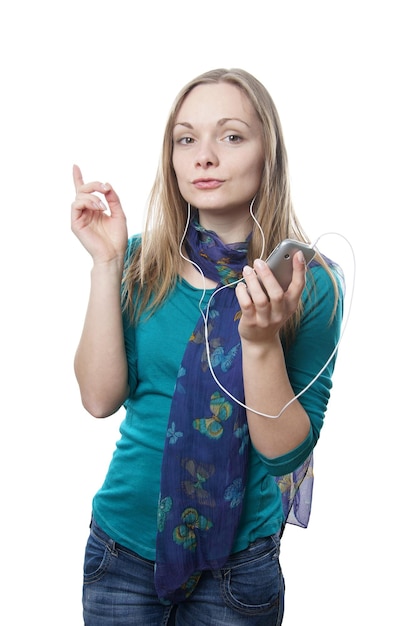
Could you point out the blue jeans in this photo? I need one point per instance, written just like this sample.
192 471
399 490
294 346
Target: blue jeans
119 589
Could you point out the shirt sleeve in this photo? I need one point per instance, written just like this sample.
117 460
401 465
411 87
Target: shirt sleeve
316 340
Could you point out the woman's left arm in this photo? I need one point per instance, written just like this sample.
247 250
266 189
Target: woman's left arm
267 383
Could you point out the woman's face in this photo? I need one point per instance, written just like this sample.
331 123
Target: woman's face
218 152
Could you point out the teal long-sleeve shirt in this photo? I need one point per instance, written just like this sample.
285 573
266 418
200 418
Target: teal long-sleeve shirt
126 505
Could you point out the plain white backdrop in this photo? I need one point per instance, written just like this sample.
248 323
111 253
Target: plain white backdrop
91 82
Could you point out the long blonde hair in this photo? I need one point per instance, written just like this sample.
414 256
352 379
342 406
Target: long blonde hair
153 268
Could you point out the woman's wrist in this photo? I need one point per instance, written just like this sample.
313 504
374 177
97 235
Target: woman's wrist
262 349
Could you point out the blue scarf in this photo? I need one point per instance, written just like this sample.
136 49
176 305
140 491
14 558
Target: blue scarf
206 449
204 465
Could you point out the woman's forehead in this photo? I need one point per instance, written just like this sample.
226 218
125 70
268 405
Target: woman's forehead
215 101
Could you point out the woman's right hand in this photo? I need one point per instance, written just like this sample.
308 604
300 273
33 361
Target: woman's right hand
103 234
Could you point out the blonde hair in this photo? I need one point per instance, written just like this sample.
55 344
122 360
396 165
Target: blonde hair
153 268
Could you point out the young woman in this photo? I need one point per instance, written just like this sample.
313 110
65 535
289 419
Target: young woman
188 328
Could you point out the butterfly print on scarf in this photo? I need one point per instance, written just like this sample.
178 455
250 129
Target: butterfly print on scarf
184 534
165 505
212 426
172 434
200 473
235 492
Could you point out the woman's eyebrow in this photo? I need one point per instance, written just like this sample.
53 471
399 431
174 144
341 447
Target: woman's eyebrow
225 120
221 122
183 124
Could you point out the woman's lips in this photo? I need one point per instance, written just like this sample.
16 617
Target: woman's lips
207 183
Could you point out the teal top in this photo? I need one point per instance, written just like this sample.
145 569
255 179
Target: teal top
126 505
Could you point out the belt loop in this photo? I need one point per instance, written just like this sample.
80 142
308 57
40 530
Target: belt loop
112 546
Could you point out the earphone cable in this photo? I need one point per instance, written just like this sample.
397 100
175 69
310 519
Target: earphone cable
205 315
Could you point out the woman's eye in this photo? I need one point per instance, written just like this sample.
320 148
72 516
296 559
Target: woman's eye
233 138
185 141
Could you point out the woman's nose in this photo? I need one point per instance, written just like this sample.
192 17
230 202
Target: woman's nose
206 155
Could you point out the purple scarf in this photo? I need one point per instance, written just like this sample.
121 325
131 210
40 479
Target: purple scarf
205 458
204 465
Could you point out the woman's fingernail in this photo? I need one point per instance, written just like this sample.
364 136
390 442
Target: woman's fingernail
259 264
247 270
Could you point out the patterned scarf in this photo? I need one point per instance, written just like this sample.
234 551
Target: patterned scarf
205 457
206 449
296 490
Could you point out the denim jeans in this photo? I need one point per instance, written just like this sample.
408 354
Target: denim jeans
119 588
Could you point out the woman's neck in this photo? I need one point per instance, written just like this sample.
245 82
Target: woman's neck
229 228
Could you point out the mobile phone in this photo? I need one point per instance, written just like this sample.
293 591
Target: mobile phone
280 260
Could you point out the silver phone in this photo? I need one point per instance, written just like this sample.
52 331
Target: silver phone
280 260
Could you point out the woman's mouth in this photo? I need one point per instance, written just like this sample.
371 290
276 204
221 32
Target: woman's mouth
207 183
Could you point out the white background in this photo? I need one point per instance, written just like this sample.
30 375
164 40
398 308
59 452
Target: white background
91 82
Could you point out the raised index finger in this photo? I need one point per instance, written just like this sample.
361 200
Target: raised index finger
77 176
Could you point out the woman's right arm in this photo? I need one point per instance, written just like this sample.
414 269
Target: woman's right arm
100 360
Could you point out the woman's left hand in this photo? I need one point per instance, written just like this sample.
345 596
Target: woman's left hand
265 311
